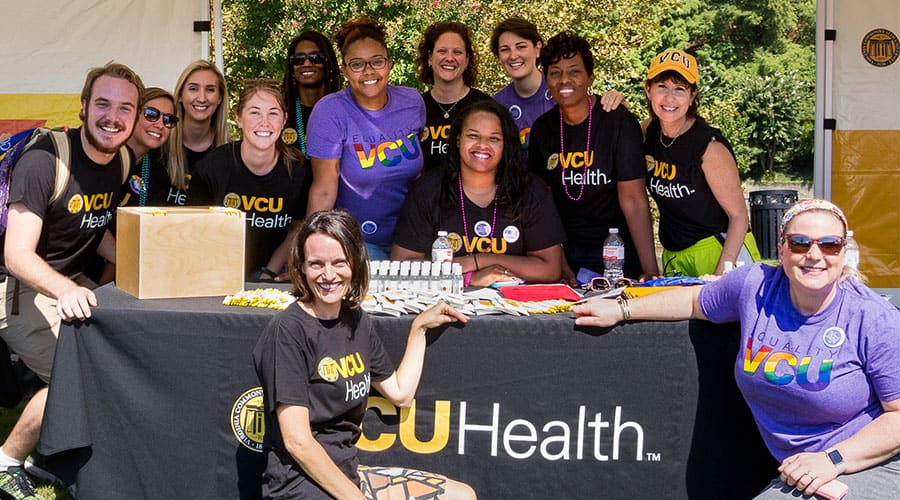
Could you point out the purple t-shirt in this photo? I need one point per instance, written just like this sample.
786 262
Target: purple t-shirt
379 152
525 110
810 381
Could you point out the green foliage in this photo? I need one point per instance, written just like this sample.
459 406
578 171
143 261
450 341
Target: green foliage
757 57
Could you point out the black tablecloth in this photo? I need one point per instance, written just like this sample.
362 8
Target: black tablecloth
158 399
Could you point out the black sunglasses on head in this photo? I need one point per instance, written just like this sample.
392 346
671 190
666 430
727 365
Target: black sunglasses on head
313 57
152 114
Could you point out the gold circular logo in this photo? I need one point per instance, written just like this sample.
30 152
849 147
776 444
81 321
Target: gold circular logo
328 369
76 203
455 241
553 161
880 47
651 163
288 135
248 419
232 200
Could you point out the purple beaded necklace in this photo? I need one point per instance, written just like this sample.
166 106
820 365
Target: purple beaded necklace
462 209
562 152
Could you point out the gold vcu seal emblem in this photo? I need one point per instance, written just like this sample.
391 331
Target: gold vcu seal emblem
248 419
880 47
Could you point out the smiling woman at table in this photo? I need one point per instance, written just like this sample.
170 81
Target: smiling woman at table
820 366
302 358
501 219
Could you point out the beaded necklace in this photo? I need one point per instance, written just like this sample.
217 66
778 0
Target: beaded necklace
145 178
562 152
301 134
462 209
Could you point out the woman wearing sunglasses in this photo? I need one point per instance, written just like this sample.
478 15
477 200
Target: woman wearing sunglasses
364 140
311 72
448 62
149 181
260 175
819 364
692 175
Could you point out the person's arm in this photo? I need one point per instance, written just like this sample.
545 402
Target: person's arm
612 99
324 189
401 253
537 266
303 447
633 200
400 387
279 257
669 305
23 231
722 176
873 444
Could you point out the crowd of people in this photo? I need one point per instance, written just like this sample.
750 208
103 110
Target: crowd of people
528 182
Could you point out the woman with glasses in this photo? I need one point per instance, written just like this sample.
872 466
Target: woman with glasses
201 105
819 364
311 72
448 62
692 175
150 180
594 164
260 175
502 223
364 139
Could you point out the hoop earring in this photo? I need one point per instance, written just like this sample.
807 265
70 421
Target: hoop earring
547 95
590 91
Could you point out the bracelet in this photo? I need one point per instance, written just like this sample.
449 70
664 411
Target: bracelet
623 305
468 279
268 272
475 259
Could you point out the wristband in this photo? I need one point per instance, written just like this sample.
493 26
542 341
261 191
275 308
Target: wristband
475 259
268 272
623 305
468 279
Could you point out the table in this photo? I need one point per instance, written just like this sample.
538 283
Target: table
158 399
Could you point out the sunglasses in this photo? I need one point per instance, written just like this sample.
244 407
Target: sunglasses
801 243
601 283
359 65
313 57
152 114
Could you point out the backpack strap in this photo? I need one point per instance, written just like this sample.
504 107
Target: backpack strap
63 156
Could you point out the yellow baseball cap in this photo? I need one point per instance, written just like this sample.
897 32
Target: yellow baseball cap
675 60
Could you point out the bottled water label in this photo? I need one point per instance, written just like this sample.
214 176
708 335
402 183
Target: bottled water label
441 255
611 252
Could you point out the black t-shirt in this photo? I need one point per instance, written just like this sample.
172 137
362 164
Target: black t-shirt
430 207
160 192
271 201
688 210
73 225
327 367
436 137
615 153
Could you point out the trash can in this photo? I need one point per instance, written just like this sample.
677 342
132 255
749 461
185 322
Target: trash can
766 209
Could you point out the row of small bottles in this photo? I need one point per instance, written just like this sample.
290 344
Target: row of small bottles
415 276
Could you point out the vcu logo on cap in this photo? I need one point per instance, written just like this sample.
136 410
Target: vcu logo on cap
880 47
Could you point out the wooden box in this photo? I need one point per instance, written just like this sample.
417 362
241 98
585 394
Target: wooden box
165 252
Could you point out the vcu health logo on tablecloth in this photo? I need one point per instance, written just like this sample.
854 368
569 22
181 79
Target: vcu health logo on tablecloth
248 419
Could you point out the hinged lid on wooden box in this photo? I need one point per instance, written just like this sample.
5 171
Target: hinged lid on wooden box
166 252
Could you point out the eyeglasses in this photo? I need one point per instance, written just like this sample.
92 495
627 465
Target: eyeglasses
313 57
801 243
601 283
359 65
152 114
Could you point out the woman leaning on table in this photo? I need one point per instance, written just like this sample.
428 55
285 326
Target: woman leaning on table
692 174
312 419
819 364
502 222
593 161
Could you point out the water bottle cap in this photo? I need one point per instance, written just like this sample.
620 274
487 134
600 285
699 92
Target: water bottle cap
849 233
613 230
442 233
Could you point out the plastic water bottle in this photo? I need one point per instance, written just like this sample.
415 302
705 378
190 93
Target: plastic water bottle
613 255
440 249
851 251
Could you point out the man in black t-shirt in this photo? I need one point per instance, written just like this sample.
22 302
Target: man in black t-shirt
48 245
